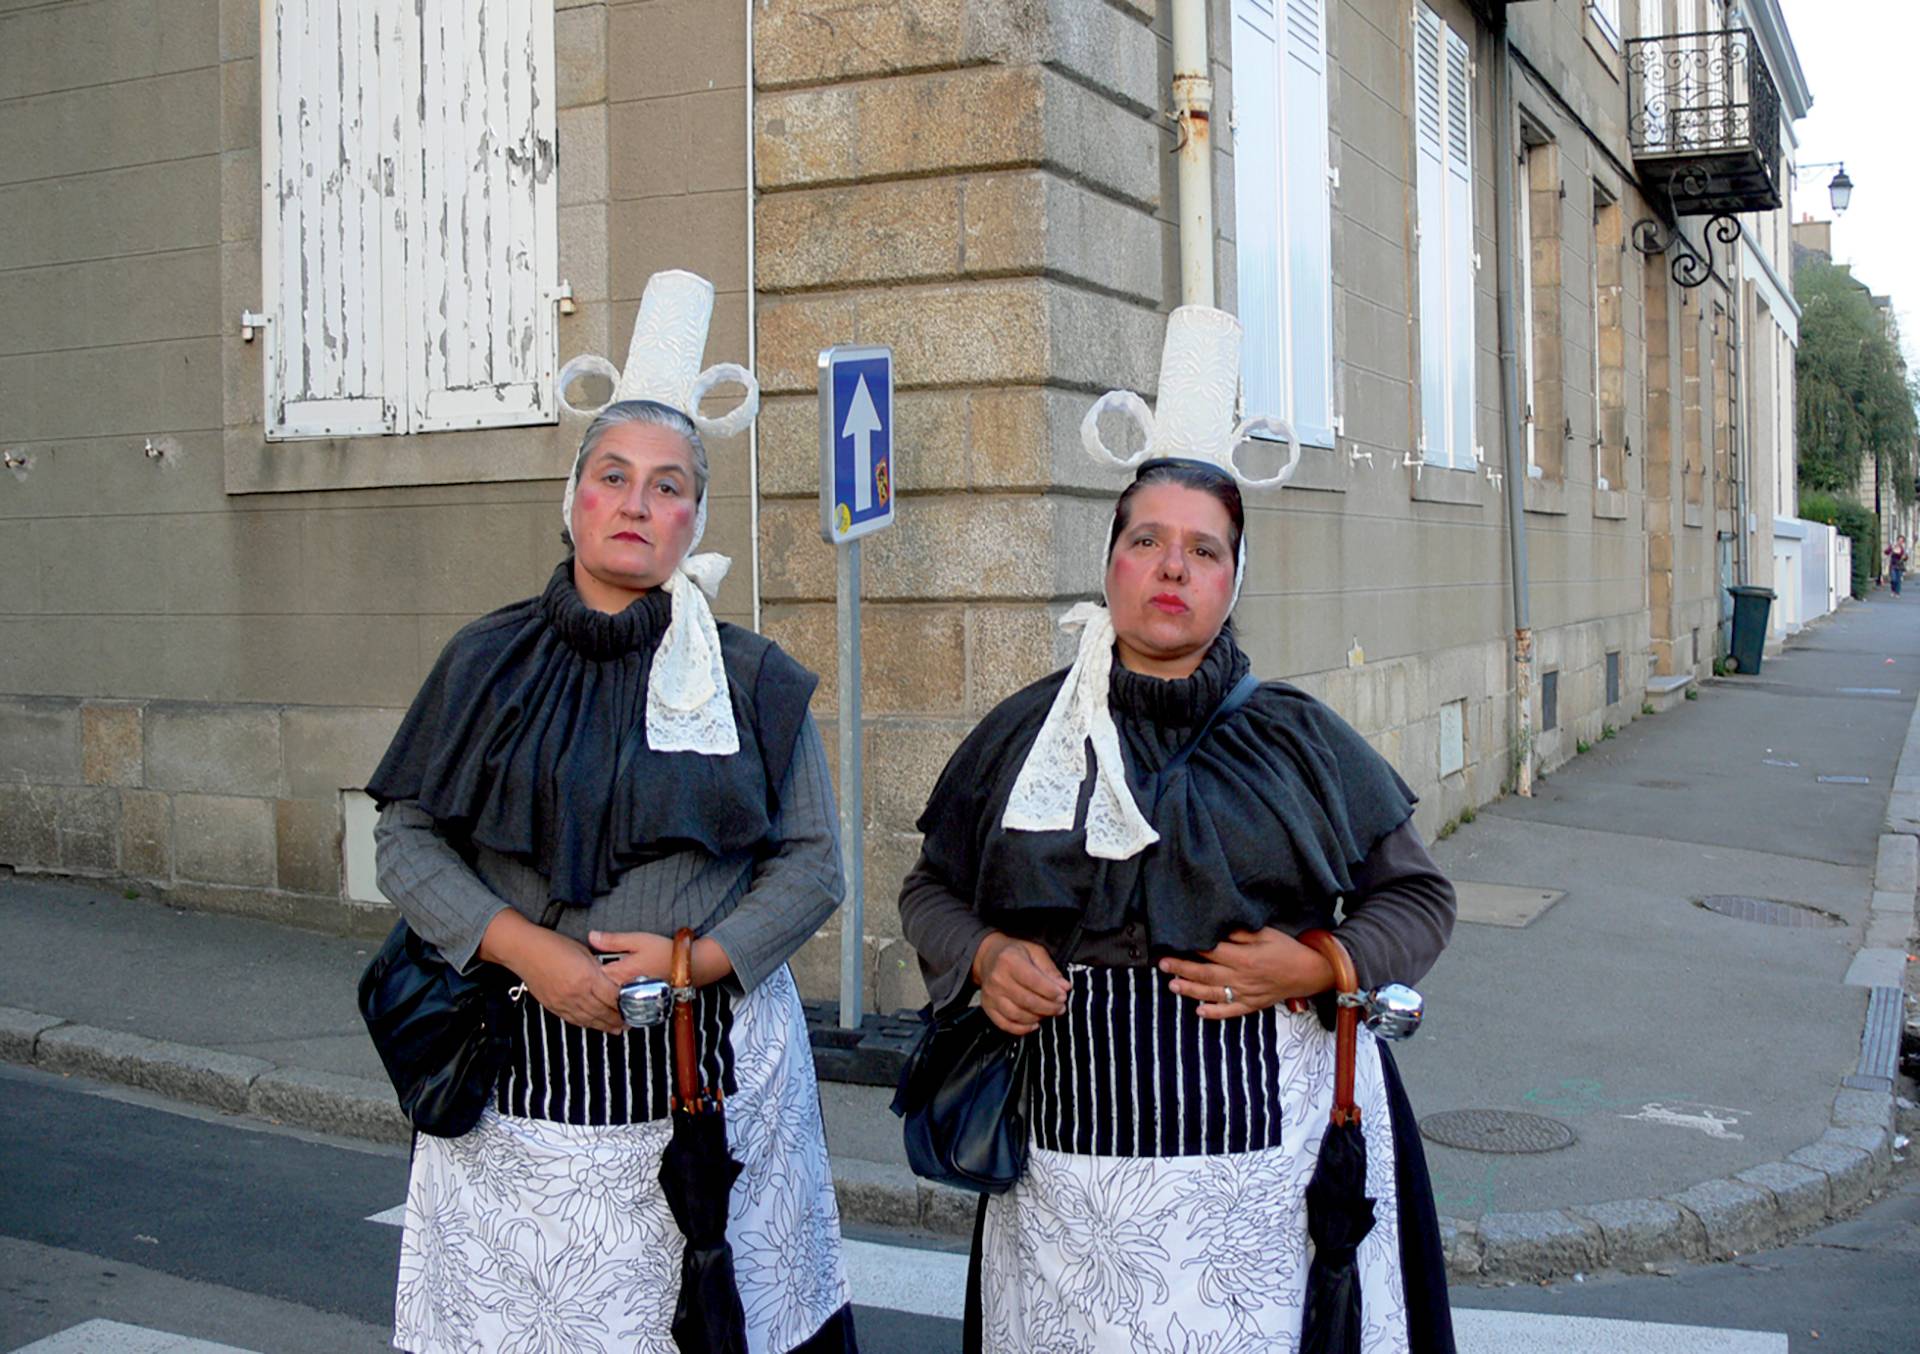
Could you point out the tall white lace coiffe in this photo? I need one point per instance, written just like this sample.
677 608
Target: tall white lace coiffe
689 706
1199 378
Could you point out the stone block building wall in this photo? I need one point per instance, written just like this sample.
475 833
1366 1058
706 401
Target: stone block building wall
977 183
203 652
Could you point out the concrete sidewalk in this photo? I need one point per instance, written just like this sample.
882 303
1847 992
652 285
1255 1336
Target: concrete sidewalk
1695 1060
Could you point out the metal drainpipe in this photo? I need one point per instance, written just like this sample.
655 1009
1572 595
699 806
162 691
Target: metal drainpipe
1193 120
1737 396
753 333
1505 259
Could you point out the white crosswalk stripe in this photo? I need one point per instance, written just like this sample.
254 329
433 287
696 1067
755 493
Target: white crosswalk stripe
115 1337
934 1283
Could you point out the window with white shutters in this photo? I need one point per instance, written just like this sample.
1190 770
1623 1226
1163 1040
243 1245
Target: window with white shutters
1443 142
1283 212
409 242
1606 17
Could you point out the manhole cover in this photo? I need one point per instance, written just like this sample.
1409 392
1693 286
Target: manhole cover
1496 1131
1768 912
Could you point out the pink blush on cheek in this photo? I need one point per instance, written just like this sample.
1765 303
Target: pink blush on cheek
587 498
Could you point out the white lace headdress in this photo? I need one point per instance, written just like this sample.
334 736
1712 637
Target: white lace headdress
689 708
1199 379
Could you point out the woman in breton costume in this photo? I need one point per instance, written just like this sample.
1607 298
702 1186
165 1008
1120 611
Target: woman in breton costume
1176 1106
582 774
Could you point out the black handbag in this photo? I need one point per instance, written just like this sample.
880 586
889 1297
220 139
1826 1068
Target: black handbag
962 1098
443 1035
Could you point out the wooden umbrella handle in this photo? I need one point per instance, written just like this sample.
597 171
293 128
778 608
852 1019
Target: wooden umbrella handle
1346 1025
686 1055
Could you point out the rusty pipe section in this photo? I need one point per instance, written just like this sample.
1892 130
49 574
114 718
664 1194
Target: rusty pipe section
1193 128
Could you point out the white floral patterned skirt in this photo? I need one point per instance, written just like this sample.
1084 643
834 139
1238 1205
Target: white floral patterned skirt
531 1236
1163 1207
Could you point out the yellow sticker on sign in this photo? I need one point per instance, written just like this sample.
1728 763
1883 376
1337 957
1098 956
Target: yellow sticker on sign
845 518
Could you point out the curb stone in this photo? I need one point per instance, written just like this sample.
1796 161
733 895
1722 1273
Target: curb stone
1849 1172
1738 1217
1639 1231
202 1076
21 1030
1799 1194
1539 1245
329 1103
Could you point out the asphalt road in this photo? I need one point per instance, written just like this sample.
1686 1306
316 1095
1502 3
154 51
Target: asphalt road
116 1207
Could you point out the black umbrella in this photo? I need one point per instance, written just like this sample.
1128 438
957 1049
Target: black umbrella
1339 1213
697 1172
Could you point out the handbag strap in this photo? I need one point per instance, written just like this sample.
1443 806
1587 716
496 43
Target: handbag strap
1234 699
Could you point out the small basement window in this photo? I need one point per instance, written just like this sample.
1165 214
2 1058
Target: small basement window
1550 701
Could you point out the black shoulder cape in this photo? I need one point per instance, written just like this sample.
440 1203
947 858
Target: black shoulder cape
529 738
1260 828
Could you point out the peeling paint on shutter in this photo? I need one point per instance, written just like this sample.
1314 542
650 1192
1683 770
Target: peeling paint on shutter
409 244
479 175
325 236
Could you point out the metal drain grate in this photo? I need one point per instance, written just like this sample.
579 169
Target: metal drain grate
1504 1131
1768 912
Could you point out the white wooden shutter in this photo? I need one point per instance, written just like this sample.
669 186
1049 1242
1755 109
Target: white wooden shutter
1429 132
479 193
1258 212
1309 222
1525 241
1460 252
331 342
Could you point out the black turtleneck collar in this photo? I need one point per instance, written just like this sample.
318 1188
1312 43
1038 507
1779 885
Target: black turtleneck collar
599 635
1180 702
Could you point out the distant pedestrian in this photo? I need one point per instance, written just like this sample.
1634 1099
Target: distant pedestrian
582 774
1897 562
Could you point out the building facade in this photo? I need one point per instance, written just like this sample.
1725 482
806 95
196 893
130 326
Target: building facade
287 287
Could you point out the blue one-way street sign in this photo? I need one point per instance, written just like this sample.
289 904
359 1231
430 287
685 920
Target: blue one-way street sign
856 442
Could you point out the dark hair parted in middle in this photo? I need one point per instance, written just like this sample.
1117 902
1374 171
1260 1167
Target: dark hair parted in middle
1188 474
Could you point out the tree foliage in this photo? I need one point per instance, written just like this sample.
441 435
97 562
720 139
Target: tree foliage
1855 398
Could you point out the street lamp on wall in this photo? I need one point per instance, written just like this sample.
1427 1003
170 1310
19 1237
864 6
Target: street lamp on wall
1839 187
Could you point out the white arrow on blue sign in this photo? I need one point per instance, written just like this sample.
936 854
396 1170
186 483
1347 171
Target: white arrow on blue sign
856 442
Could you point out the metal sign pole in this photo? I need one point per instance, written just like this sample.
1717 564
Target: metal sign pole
857 496
852 824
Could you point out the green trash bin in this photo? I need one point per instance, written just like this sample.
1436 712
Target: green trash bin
1750 608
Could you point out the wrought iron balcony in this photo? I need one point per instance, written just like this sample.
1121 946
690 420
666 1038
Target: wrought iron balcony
1705 121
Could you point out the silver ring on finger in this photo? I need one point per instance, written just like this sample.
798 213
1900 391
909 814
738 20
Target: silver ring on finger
1229 992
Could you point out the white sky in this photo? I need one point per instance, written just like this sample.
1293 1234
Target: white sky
1860 61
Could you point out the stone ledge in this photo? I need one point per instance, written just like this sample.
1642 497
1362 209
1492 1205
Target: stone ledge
330 1103
1665 693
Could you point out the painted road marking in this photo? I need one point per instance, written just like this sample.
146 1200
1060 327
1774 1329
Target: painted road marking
115 1337
392 1217
1716 1121
1477 1331
904 1279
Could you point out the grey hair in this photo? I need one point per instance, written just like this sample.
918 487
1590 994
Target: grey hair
653 414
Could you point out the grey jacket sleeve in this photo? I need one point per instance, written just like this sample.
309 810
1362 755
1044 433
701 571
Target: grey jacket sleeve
1399 916
443 900
943 930
796 888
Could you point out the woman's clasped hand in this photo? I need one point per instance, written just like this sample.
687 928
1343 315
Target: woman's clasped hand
1249 971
